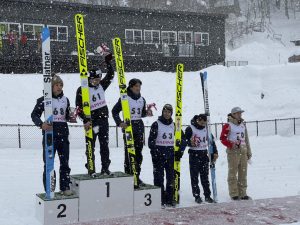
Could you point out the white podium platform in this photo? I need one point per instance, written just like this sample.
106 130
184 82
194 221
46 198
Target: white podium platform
103 196
59 210
147 199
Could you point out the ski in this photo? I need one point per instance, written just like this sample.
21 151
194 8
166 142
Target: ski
125 106
178 122
203 77
48 142
82 61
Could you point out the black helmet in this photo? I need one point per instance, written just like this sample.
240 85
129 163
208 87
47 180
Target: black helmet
95 73
168 107
134 81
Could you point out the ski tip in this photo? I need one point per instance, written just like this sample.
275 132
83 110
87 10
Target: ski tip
203 75
180 67
78 15
45 34
116 41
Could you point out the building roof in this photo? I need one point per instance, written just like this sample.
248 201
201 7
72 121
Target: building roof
125 9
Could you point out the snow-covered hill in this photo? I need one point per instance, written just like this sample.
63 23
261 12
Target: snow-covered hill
228 87
261 48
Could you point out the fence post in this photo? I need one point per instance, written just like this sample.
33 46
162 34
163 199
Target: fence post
256 128
19 135
275 126
216 130
294 126
117 136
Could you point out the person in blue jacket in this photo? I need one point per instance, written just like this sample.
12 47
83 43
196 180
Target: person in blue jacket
161 143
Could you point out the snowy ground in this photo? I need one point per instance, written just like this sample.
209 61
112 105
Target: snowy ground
274 172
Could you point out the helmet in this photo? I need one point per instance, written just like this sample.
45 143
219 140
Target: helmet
95 73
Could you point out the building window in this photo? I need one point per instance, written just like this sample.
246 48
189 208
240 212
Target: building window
58 33
224 3
185 37
202 39
133 36
151 36
6 27
169 37
185 43
33 31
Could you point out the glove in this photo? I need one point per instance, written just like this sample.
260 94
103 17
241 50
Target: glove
108 57
178 143
214 157
178 155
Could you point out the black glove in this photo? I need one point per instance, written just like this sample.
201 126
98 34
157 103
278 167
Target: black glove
108 57
178 143
178 155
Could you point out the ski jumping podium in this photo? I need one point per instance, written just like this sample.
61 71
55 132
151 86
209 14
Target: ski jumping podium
102 197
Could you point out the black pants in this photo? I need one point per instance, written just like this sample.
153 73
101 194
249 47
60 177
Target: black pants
199 164
138 146
163 162
102 133
62 147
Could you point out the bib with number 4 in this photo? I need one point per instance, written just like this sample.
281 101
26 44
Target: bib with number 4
200 138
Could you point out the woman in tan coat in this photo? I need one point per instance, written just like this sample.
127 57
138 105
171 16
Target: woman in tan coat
235 137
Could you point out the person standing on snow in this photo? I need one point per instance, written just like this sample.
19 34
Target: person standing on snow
161 144
61 114
137 105
234 136
99 112
196 136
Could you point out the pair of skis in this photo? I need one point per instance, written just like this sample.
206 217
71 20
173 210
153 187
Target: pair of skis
126 115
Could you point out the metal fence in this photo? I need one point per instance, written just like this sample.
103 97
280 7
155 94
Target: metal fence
29 136
236 63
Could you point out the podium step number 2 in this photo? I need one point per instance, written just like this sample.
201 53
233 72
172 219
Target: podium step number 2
59 210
